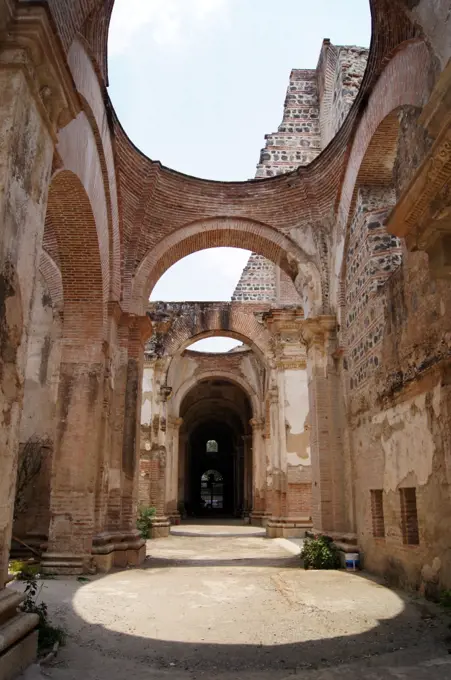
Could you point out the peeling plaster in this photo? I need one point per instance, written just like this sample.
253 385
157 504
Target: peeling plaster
407 441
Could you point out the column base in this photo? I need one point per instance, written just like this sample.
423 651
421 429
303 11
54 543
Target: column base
18 635
65 564
175 518
118 549
288 527
161 527
259 518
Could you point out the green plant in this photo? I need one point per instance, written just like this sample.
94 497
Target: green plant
445 599
23 570
48 635
144 521
320 553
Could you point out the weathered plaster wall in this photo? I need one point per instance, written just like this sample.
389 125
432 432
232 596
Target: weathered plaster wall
296 409
297 438
434 16
399 417
37 427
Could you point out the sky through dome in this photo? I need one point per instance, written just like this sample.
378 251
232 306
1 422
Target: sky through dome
198 83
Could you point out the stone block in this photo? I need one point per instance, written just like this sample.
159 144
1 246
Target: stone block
18 657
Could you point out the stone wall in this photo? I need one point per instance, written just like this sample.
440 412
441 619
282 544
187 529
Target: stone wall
316 104
257 282
297 141
397 365
339 75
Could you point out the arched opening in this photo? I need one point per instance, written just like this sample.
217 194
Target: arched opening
301 268
215 451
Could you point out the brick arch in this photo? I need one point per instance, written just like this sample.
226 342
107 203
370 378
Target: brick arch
82 67
211 233
376 173
210 320
189 383
405 81
71 217
79 155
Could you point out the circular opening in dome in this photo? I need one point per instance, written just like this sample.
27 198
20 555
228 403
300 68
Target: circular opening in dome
198 84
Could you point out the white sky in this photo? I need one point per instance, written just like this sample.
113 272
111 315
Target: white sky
198 83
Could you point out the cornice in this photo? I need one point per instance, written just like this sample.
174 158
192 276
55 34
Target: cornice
32 45
318 330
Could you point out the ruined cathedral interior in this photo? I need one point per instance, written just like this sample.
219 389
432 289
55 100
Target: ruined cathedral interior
334 414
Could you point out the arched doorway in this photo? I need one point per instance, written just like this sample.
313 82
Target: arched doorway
215 452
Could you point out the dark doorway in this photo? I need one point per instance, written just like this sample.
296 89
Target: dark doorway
212 490
214 457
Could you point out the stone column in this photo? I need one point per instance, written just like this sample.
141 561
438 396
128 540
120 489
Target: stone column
74 467
259 512
327 424
277 481
117 541
247 473
158 465
140 329
183 439
30 114
37 98
172 468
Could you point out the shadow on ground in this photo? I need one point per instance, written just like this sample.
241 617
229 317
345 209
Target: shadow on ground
192 613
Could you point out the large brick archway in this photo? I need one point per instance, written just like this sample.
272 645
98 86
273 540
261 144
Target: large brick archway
213 233
192 321
71 233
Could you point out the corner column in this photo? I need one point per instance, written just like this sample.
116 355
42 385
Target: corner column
30 61
172 468
259 513
326 417
117 542
37 98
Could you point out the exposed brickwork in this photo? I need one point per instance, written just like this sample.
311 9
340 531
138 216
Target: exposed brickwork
377 513
409 516
315 107
177 324
112 221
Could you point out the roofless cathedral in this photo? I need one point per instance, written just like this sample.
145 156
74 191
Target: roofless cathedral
334 415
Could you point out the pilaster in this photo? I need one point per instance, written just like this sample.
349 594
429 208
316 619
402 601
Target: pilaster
326 413
259 513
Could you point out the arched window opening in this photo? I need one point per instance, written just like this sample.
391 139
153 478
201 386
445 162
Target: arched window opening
212 446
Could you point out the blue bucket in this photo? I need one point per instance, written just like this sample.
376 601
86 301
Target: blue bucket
352 561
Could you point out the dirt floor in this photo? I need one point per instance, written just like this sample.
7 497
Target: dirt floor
240 607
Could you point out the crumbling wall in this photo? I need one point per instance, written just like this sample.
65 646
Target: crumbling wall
37 427
399 408
339 75
297 438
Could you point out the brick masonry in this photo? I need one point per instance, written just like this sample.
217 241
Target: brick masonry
360 154
316 104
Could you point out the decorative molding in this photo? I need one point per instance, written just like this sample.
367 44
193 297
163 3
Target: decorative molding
174 422
318 330
33 46
292 364
257 423
422 215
